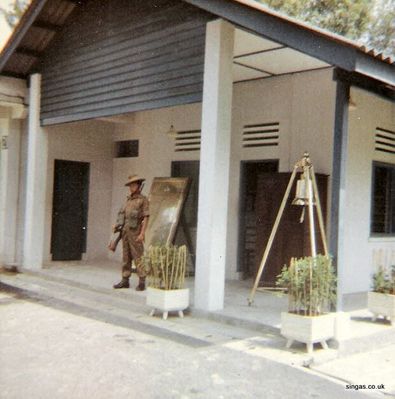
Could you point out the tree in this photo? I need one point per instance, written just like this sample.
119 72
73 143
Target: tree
371 24
381 32
14 11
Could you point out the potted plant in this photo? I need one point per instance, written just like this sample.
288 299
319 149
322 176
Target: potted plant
166 267
311 286
381 301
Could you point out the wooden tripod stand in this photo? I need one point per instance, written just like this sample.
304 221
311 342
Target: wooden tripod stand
310 195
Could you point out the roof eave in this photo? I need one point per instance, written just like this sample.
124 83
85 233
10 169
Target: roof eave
24 24
375 69
330 48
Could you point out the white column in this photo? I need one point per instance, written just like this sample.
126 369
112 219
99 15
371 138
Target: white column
33 249
9 185
214 167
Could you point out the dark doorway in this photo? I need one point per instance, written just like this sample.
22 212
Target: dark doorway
70 210
292 238
250 171
187 229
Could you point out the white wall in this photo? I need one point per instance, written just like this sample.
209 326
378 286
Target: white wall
12 90
371 112
91 142
12 113
9 180
22 195
302 103
156 149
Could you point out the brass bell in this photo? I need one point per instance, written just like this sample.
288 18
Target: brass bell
302 192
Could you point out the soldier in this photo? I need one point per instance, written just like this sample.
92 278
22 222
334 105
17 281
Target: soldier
132 222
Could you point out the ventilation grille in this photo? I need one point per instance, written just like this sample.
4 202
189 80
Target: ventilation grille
385 140
188 140
261 135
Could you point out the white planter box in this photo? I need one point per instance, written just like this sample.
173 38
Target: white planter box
382 305
168 301
307 329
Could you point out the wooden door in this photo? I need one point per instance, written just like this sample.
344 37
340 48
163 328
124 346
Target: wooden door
292 238
70 210
250 170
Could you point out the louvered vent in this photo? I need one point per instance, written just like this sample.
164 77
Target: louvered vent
385 140
188 140
261 135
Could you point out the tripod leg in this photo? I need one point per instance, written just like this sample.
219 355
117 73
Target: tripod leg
311 215
272 235
319 212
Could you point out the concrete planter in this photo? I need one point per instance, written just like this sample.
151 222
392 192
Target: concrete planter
382 305
168 300
307 329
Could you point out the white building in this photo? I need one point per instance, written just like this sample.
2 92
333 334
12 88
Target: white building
248 91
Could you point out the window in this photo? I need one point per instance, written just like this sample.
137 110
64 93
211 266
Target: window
383 199
127 149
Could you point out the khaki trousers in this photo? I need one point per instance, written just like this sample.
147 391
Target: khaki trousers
132 250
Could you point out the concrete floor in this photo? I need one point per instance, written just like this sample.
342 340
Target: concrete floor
56 345
85 290
265 311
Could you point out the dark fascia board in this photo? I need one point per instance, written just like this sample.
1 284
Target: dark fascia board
122 109
367 83
13 75
376 69
24 24
298 37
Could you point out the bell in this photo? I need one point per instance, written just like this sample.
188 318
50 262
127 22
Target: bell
302 192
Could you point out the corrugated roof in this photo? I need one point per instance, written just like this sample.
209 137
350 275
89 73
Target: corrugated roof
325 33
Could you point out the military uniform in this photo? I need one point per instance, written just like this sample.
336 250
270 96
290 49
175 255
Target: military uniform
130 223
134 211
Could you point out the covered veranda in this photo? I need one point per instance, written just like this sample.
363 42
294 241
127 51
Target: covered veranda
273 58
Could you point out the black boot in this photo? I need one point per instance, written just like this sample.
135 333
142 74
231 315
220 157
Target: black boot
124 283
141 286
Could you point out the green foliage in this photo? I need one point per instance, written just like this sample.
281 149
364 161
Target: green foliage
14 11
373 23
384 280
166 266
381 31
311 285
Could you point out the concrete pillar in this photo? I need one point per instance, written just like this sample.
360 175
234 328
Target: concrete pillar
33 249
214 167
338 207
9 184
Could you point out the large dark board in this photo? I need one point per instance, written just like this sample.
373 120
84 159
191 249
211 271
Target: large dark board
118 56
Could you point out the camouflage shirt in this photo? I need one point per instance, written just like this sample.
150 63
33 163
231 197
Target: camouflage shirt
133 212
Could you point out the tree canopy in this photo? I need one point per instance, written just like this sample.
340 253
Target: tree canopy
14 11
370 22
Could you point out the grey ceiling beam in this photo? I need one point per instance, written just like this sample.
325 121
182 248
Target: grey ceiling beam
259 52
13 75
254 68
47 26
28 52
